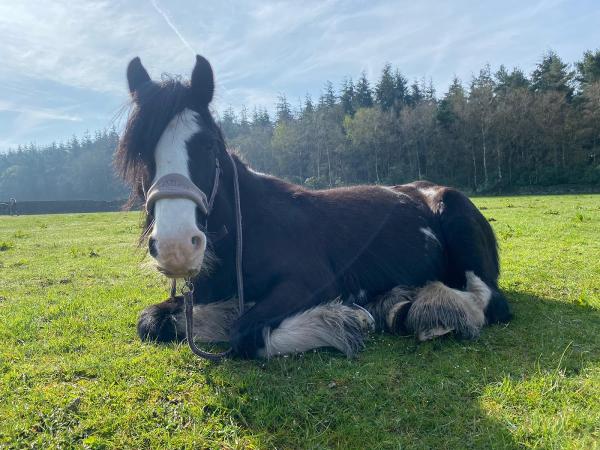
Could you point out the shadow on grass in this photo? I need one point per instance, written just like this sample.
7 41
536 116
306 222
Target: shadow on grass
397 394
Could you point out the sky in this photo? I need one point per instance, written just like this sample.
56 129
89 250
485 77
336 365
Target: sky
62 62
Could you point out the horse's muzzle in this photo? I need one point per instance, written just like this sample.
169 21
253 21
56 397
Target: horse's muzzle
178 257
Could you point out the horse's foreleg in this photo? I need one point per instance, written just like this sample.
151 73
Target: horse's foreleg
329 325
288 321
391 309
165 322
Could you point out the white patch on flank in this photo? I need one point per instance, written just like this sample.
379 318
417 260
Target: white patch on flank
430 234
175 219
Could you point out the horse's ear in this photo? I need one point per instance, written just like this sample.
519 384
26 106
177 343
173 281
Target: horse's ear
203 82
136 75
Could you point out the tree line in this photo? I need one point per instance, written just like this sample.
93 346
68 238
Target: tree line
80 169
503 129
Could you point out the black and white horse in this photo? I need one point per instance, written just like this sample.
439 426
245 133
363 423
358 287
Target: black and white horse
320 268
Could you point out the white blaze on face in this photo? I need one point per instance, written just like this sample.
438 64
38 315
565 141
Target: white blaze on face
180 245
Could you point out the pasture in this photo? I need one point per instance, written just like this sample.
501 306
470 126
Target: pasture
73 373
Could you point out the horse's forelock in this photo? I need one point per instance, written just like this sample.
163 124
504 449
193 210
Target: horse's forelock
154 106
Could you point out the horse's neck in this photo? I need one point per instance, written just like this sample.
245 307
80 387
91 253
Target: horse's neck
259 192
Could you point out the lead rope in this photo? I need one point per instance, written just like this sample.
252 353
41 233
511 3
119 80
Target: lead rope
188 298
238 225
188 290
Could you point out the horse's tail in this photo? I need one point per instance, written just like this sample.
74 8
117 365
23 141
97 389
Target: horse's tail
469 296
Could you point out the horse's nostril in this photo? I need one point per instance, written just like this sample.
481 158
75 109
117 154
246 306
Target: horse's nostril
196 241
152 247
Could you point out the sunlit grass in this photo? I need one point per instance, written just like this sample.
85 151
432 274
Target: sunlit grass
74 374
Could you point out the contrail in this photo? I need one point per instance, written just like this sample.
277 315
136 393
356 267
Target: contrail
172 26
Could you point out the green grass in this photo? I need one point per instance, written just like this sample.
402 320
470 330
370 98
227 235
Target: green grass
73 374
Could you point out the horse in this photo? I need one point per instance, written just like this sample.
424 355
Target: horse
320 268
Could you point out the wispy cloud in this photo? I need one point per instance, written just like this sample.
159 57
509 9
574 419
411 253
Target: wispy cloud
172 26
27 120
40 113
83 44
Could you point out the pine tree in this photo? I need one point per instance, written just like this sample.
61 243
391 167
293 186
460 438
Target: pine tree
229 123
347 97
283 110
363 97
589 68
308 108
416 95
400 90
507 81
552 74
385 92
244 122
447 114
327 98
429 90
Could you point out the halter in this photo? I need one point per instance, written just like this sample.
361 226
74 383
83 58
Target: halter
175 185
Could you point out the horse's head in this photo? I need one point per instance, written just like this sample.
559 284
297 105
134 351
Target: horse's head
167 154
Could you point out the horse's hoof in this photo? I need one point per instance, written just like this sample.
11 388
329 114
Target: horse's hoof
433 333
159 323
246 339
498 309
365 319
396 318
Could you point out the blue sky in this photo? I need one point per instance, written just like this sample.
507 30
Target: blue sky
62 62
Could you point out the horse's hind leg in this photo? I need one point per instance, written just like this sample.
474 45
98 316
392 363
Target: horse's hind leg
439 309
391 309
329 325
165 322
470 246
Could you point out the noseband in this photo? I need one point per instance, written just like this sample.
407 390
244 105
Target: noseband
175 185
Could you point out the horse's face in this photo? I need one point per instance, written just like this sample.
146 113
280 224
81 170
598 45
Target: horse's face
170 131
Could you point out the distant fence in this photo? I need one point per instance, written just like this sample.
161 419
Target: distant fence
66 206
90 206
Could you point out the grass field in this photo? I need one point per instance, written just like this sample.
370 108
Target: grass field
73 374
